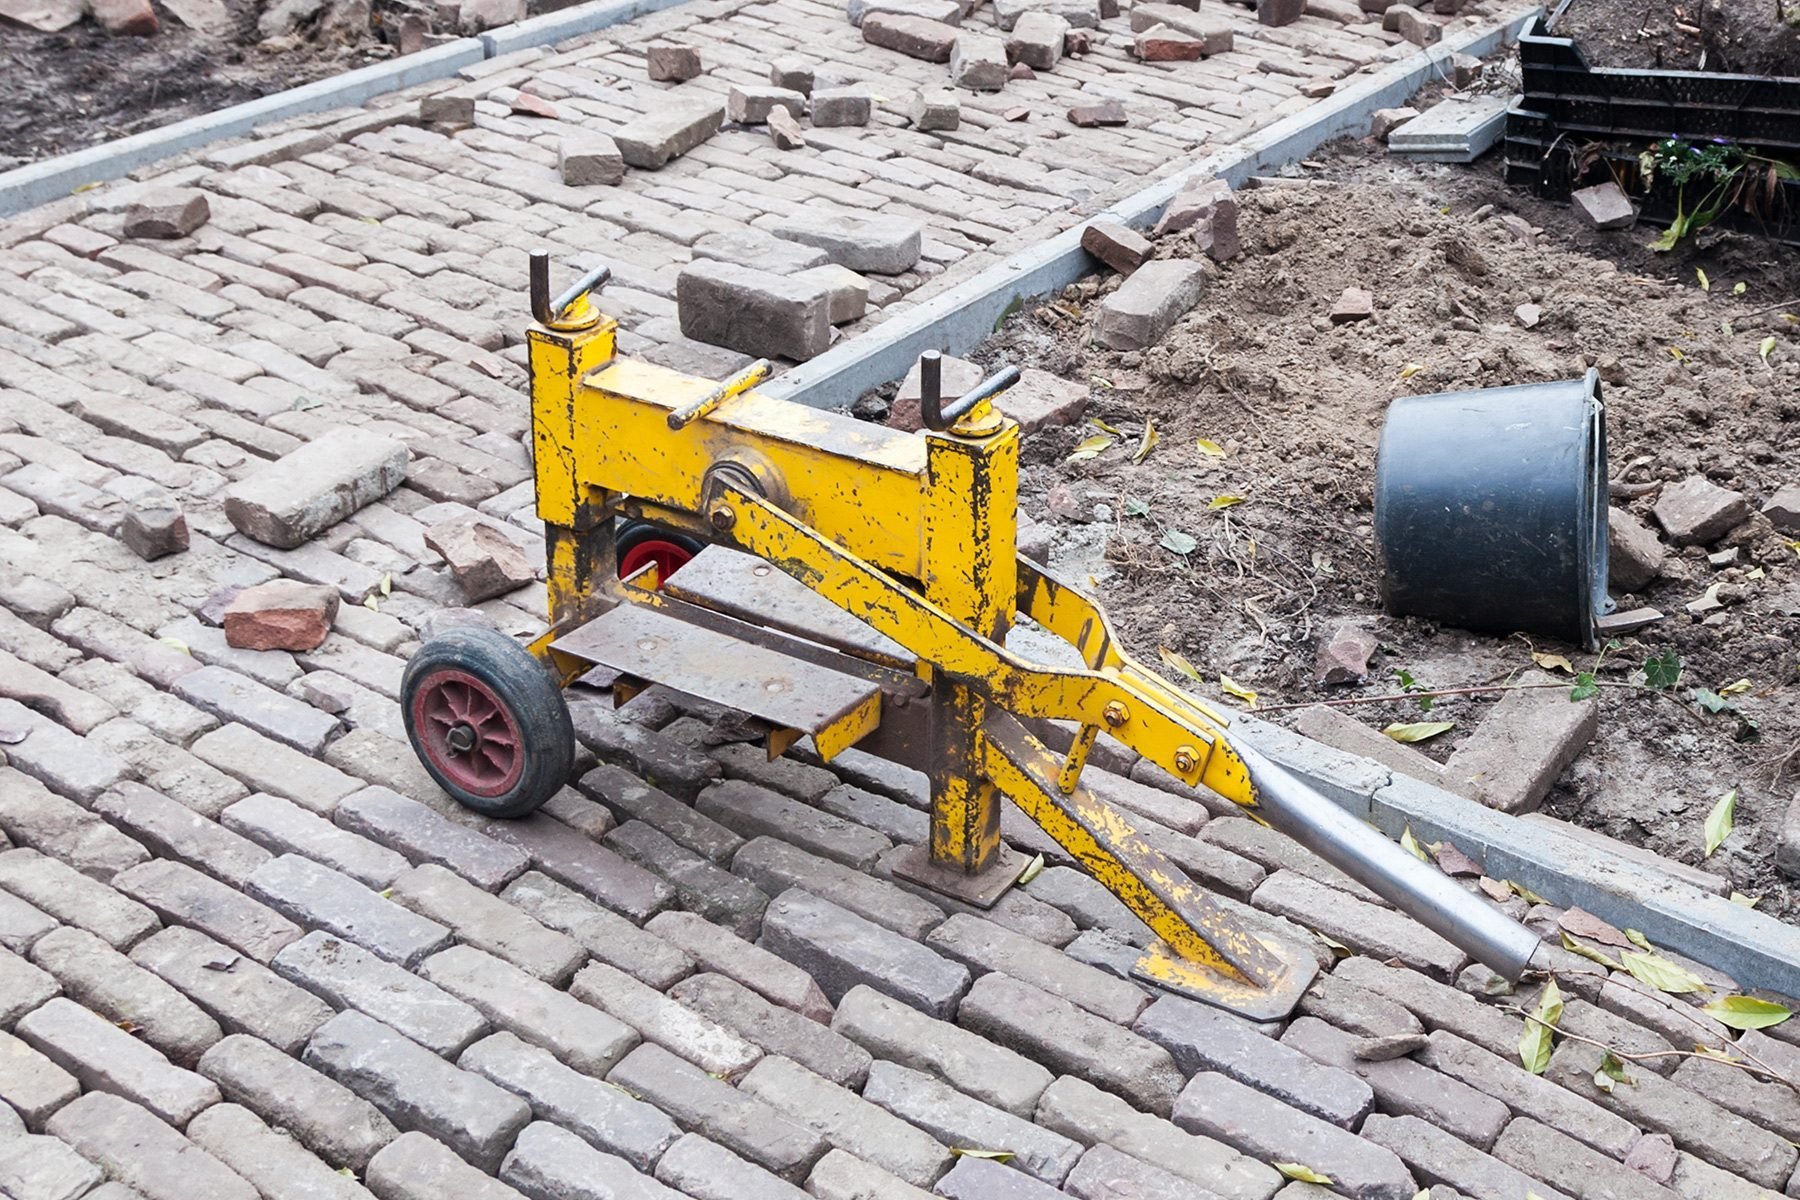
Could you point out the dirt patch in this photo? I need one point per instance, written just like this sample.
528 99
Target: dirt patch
1749 37
1296 406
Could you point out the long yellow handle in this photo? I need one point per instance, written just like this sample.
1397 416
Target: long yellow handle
743 381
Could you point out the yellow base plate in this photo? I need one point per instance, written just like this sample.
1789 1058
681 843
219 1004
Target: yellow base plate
1273 1003
983 890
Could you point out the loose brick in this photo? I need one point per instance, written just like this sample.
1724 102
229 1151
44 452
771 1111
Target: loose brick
415 1167
970 1064
958 1120
342 1128
739 1122
1070 1040
1439 1158
321 898
107 1059
585 1038
347 976
1092 1117
34 1086
1696 511
424 836
1265 1128
663 1021
1522 745
719 950
589 159
417 1090
1148 303
134 1147
848 1121
243 996
876 247
776 1030
488 922
549 1163
775 866
604 934
74 898
840 950
983 946
172 830
1118 246
607 1118
723 304
650 141
304 493
708 1171
112 985
272 1161
916 37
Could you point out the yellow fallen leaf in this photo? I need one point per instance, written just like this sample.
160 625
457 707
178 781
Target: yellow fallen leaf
1552 662
1733 689
1676 351
1210 448
387 584
1738 289
1178 663
1746 901
1705 283
1032 870
175 643
1418 731
1224 501
1304 1174
372 604
1410 844
997 1155
1767 348
1090 447
1097 423
1232 688
1411 369
1148 443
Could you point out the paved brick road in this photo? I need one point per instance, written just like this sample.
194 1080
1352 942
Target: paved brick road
248 949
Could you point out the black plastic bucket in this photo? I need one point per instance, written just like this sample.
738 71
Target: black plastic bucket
1490 509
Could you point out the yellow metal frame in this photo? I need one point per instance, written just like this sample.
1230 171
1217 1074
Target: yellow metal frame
914 534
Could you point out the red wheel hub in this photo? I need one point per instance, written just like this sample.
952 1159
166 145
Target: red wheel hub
467 733
668 557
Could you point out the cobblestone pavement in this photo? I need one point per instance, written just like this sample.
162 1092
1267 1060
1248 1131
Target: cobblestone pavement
248 949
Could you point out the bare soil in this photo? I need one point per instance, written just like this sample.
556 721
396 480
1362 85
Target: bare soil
1748 37
1297 405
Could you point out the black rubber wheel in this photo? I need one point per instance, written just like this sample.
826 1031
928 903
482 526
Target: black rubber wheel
639 543
488 721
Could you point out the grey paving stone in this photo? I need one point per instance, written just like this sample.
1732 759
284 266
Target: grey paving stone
1071 1041
318 897
51 760
1725 1139
31 1084
669 1024
417 1090
1773 1105
603 933
1403 1087
264 765
708 1171
733 1119
169 829
841 1176
1438 1158
983 946
992 1074
488 922
985 1179
107 1059
1275 851
630 798
35 1167
1552 1157
22 986
958 1120
74 899
840 950
650 141
676 768
135 1148
1015 910
304 493
1381 933
754 811
32 815
336 1124
774 1029
1438 1006
415 1167
283 827
237 698
1150 300
347 976
110 984
719 950
775 866
701 887
1222 1108
1335 1000
849 1122
1080 1110
548 1163
242 995
425 836
1529 1095
579 862
1104 1172
607 1118
276 1164
866 244
578 1034
1088 904
21 924
787 775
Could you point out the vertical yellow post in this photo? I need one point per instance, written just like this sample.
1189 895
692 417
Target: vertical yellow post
579 545
971 571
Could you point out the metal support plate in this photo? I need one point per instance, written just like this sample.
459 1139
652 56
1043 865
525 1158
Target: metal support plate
982 889
1274 1001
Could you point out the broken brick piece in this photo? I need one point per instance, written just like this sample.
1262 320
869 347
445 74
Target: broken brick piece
484 562
1118 246
282 614
167 213
1089 116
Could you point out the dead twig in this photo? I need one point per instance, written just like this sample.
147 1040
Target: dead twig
1750 1063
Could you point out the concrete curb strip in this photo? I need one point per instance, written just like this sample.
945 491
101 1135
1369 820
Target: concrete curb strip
54 178
957 320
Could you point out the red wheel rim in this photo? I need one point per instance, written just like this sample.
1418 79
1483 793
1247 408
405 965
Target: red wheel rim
668 557
468 734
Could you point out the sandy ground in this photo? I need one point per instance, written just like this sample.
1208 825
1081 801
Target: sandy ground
1296 404
1756 37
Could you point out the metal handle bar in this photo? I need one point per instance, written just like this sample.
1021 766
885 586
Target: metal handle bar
931 383
743 381
546 310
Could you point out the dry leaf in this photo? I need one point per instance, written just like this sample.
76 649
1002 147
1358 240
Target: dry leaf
1411 369
1552 662
1232 688
1661 974
1145 446
1224 501
1534 1043
1720 820
1304 1174
1210 448
1582 923
1090 447
1746 1012
1410 844
1179 663
1418 731
1767 348
1455 862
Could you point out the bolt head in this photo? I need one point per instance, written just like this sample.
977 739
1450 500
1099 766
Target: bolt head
1185 759
1115 714
723 517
